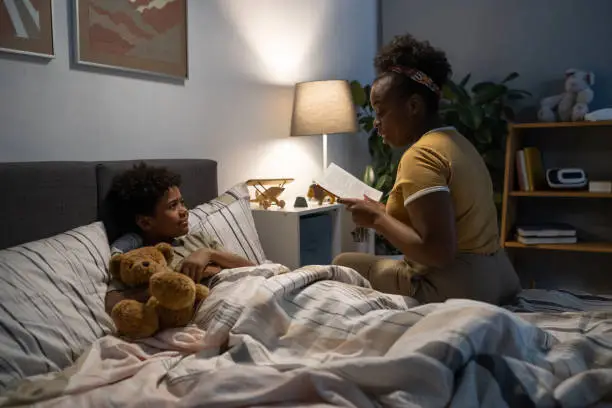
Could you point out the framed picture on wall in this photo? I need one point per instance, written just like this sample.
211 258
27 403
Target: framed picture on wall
147 36
26 27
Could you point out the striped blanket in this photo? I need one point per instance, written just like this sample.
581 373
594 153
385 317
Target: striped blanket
321 337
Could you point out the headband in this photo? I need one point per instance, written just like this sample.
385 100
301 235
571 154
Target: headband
417 76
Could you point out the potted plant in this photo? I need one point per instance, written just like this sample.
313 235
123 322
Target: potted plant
482 115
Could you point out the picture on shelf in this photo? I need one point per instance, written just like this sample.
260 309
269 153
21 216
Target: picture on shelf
26 27
148 36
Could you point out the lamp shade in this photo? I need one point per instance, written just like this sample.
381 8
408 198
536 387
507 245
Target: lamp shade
323 107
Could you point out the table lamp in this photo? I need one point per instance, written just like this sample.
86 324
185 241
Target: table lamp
322 108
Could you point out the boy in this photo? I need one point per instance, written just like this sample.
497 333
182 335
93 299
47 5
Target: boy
147 205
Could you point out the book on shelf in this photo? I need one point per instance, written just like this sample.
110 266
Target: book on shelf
521 171
546 230
550 233
546 240
529 169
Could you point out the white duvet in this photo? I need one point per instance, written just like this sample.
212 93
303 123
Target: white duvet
320 336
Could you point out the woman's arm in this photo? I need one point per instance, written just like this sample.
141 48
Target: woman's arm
432 239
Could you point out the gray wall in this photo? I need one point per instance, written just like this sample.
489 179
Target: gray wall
244 58
537 38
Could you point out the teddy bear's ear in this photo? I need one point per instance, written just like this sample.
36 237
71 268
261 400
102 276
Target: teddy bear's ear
115 265
570 72
590 78
166 250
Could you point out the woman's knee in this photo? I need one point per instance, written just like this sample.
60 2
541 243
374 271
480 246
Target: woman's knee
343 259
357 261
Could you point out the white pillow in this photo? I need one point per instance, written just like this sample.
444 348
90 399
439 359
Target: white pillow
52 301
228 218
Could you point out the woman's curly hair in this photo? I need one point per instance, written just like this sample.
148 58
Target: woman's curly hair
408 52
137 192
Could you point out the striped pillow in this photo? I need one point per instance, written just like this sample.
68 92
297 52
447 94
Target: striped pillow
228 218
52 301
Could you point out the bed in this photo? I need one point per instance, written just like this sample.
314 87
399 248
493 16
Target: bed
266 336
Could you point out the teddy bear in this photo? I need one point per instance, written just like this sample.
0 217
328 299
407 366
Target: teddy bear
572 104
173 296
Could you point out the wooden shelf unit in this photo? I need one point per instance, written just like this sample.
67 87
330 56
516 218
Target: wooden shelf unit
605 247
537 131
603 123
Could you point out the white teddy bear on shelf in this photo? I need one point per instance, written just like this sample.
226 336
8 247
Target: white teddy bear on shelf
572 104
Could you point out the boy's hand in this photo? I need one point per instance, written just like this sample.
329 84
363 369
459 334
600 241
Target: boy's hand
196 265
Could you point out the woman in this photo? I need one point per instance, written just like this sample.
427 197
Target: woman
440 213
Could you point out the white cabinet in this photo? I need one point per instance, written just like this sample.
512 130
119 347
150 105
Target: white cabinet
295 237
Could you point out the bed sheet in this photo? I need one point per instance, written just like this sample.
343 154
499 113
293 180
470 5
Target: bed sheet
320 336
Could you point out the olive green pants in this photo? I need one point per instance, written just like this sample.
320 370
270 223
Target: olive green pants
487 278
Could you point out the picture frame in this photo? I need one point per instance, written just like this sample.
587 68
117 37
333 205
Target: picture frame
142 36
27 27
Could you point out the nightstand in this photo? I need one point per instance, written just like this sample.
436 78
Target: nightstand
296 237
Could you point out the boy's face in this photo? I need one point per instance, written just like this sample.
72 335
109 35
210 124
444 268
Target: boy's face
169 219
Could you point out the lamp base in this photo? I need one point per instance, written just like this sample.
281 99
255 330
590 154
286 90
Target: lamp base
324 151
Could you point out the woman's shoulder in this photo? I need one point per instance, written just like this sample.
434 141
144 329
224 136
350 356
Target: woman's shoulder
429 150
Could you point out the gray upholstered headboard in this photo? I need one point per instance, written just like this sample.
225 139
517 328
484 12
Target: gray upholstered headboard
40 199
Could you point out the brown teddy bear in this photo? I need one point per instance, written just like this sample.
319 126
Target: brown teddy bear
173 295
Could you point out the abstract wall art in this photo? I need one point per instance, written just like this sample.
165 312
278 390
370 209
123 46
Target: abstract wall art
26 27
148 36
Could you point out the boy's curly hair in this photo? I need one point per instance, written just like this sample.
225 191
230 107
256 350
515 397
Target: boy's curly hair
137 192
406 51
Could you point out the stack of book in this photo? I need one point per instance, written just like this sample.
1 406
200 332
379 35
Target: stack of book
546 234
529 169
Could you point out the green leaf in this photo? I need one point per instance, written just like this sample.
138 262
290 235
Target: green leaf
368 175
497 198
359 96
459 93
510 77
466 117
483 135
520 91
465 80
482 85
477 116
450 117
448 94
489 94
385 180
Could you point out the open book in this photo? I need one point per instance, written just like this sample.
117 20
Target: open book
343 184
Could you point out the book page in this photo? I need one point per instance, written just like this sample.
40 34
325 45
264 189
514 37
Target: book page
343 184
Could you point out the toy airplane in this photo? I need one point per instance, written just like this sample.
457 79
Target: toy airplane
267 191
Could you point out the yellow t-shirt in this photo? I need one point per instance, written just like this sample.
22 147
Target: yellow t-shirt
444 160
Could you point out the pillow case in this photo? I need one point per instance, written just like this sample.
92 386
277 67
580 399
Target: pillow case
52 301
228 218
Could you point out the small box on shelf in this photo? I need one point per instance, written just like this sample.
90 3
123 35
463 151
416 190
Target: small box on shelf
600 186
